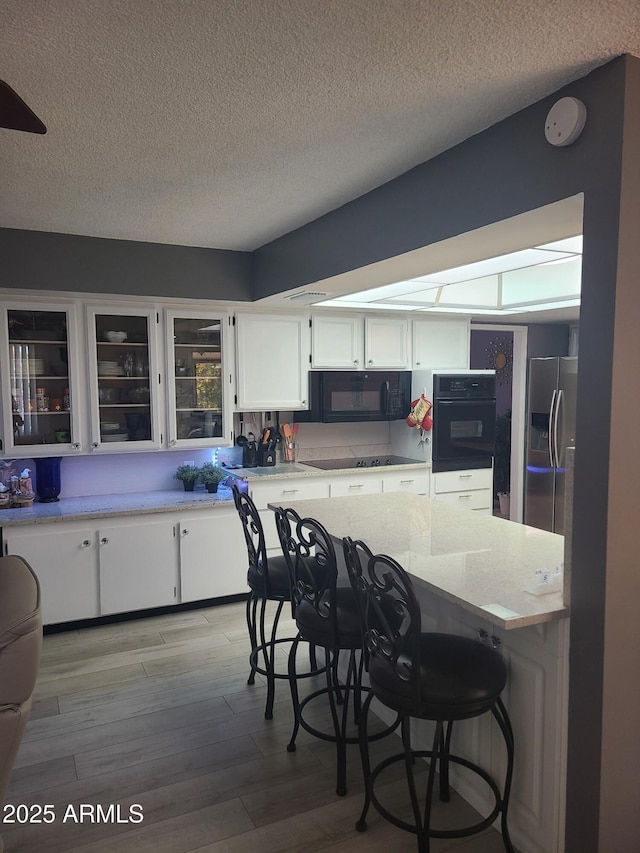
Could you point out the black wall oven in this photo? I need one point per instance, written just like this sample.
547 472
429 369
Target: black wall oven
464 421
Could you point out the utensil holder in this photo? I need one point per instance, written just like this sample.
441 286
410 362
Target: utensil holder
289 450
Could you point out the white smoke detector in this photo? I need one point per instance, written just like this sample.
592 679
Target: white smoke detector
565 121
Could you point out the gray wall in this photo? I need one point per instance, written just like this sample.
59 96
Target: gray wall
68 262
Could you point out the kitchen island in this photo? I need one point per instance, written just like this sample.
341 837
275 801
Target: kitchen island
500 583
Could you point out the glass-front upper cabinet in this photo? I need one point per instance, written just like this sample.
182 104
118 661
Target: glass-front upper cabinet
124 379
198 379
40 380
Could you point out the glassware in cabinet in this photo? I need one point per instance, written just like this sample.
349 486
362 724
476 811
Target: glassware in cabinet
125 379
40 379
197 392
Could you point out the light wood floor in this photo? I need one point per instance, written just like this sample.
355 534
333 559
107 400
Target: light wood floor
157 712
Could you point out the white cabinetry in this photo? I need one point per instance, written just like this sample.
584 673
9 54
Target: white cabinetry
354 342
137 565
414 482
65 559
440 344
41 378
471 489
288 489
123 564
124 378
536 699
337 341
199 375
213 555
386 343
272 362
360 483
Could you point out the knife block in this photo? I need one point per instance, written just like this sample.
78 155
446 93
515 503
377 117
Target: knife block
266 456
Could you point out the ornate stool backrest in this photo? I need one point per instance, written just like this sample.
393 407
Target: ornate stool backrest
392 620
254 538
312 563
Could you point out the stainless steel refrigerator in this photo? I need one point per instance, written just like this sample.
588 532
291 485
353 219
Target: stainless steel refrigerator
551 428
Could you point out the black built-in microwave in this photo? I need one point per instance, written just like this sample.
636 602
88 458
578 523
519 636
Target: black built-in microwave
343 396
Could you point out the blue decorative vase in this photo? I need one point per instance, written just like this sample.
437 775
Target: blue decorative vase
48 478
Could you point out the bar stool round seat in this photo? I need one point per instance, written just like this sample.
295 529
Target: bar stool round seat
443 678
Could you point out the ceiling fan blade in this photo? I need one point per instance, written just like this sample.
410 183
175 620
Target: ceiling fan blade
15 114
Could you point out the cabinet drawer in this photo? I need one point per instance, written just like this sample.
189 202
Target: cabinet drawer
361 485
414 482
477 499
288 490
457 481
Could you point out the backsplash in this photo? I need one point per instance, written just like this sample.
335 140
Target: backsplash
153 471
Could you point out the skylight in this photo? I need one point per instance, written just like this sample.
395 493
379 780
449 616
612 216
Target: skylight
534 279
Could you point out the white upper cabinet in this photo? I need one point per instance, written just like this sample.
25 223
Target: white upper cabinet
40 376
386 343
124 378
198 382
272 362
354 342
337 341
441 344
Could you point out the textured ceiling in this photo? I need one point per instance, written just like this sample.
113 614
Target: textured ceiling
227 123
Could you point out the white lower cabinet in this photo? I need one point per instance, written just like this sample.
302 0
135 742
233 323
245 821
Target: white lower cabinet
137 565
414 482
289 489
472 489
65 559
362 483
213 555
124 564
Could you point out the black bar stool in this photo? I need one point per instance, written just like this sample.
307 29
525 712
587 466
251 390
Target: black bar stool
431 676
268 580
326 616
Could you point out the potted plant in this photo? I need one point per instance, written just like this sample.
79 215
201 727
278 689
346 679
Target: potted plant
188 474
502 461
211 475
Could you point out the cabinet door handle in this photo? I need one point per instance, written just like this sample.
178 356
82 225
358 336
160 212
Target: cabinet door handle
465 476
172 442
76 445
185 532
356 485
417 364
289 491
104 541
406 482
356 362
85 543
370 361
94 444
465 497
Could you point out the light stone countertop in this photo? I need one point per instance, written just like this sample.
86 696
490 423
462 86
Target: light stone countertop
98 506
485 565
138 503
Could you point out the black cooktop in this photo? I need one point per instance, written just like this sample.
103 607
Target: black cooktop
362 462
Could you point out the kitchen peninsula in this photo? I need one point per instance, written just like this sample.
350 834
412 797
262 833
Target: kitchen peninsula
501 583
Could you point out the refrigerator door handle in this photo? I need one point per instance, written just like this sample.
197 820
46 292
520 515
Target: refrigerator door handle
552 415
555 429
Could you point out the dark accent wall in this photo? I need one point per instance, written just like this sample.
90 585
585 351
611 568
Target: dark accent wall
503 171
67 262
